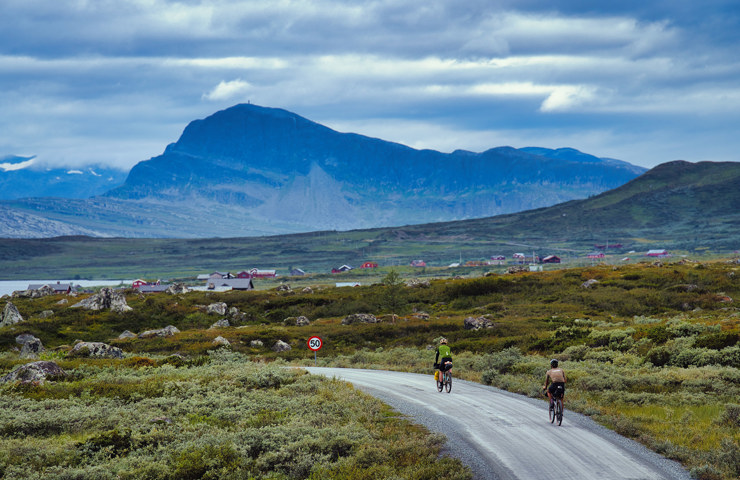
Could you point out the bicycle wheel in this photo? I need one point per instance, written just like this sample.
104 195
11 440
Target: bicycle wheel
440 382
559 411
551 412
448 381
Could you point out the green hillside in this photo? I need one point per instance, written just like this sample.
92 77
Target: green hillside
684 207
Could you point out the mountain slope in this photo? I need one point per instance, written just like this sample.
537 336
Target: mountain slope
251 170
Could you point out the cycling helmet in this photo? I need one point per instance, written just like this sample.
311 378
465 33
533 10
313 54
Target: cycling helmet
443 341
553 363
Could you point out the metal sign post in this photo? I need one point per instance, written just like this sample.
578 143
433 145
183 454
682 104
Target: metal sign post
315 344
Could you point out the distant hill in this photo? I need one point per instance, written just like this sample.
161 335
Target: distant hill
690 207
676 204
250 170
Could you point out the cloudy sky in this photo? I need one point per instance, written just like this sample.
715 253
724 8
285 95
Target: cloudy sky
114 81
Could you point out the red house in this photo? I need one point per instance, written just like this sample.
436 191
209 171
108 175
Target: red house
418 263
551 259
596 255
369 265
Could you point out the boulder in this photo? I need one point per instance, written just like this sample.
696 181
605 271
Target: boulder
221 341
23 338
167 331
284 288
126 334
416 283
421 315
477 323
177 289
280 346
217 308
224 322
589 283
96 350
44 291
517 269
63 301
31 348
34 372
10 315
256 344
106 298
297 321
359 318
307 290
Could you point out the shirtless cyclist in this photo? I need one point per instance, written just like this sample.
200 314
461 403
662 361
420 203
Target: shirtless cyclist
554 377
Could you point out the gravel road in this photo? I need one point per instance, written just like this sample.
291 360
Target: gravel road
502 436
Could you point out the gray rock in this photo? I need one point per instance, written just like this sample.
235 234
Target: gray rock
416 283
23 338
359 318
34 372
63 301
297 321
32 347
589 283
280 346
10 315
96 350
256 344
477 323
177 289
221 341
217 308
224 322
167 331
307 290
46 314
106 298
126 334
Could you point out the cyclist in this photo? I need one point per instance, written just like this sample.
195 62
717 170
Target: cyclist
555 375
444 354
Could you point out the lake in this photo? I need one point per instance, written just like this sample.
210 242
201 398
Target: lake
9 286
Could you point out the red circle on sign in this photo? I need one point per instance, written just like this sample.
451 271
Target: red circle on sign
315 343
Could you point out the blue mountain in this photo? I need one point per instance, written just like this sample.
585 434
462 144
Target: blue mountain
251 170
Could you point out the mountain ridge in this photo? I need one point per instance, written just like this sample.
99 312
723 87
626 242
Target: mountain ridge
271 171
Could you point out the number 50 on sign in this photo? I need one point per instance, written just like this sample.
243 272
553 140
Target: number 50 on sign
315 343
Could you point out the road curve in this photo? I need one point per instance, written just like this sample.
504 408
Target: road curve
502 436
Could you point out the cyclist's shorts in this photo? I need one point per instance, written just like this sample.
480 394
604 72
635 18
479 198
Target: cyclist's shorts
442 365
554 386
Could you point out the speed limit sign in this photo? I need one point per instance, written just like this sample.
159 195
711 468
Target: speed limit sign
315 343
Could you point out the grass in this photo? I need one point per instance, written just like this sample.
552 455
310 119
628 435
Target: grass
651 351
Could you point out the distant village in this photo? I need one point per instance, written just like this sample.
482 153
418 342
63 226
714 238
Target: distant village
244 280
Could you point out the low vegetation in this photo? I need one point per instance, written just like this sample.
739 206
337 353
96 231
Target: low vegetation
651 350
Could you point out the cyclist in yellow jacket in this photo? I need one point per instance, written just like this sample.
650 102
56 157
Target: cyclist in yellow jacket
444 354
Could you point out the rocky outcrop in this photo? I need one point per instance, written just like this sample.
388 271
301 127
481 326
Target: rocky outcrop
224 322
517 269
167 331
10 315
105 299
359 318
34 372
177 289
96 350
221 341
31 348
256 344
416 283
216 308
307 290
589 283
126 334
46 314
43 291
280 346
300 321
477 323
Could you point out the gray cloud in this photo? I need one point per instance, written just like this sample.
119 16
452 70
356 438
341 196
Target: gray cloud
115 81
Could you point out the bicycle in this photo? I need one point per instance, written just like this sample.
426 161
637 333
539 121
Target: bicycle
445 378
555 411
